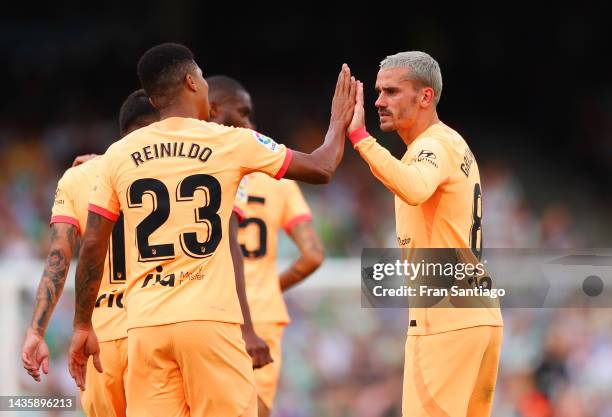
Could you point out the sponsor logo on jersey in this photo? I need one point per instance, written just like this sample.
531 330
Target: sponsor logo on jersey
112 299
427 156
170 280
266 141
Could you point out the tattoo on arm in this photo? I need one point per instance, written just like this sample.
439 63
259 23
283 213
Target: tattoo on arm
311 255
91 266
63 239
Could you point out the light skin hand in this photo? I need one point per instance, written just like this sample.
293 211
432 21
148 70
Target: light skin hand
358 120
35 353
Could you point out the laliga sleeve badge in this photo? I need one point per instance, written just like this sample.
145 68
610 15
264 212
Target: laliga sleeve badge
266 141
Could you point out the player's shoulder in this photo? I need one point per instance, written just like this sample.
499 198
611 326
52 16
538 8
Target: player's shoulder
205 127
117 148
83 171
444 138
228 135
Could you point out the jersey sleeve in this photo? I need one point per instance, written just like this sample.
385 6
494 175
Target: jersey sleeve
296 209
103 199
64 207
241 200
414 180
261 153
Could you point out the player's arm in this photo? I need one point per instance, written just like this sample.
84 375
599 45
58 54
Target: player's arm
35 352
319 166
311 255
90 268
103 213
256 347
413 182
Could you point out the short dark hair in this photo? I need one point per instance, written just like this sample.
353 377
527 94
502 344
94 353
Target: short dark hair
161 71
136 112
221 86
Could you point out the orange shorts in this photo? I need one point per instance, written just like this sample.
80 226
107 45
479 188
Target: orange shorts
266 378
451 373
104 394
192 368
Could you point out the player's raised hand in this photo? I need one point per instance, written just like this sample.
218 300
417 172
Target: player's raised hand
358 120
83 158
343 103
84 344
35 354
257 349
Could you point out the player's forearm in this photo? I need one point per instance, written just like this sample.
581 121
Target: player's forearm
311 255
330 153
90 267
403 180
63 238
319 166
297 272
238 262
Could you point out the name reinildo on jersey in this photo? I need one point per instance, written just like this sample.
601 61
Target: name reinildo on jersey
171 150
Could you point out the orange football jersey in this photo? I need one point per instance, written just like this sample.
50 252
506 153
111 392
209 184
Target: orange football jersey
271 206
70 206
175 182
438 204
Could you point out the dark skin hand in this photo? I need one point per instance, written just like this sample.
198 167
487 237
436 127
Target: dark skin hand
88 276
311 255
255 346
35 353
319 166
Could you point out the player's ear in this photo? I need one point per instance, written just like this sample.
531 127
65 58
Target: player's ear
153 103
190 82
214 109
427 98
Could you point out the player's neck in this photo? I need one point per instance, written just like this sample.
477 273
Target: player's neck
179 109
421 125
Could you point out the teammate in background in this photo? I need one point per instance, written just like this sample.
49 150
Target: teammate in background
271 205
452 355
175 182
105 395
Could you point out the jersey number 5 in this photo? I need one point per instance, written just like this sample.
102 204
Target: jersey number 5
263 238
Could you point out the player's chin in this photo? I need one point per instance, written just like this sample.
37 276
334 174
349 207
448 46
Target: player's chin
385 126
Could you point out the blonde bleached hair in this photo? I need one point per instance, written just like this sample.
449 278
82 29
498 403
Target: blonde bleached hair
423 69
